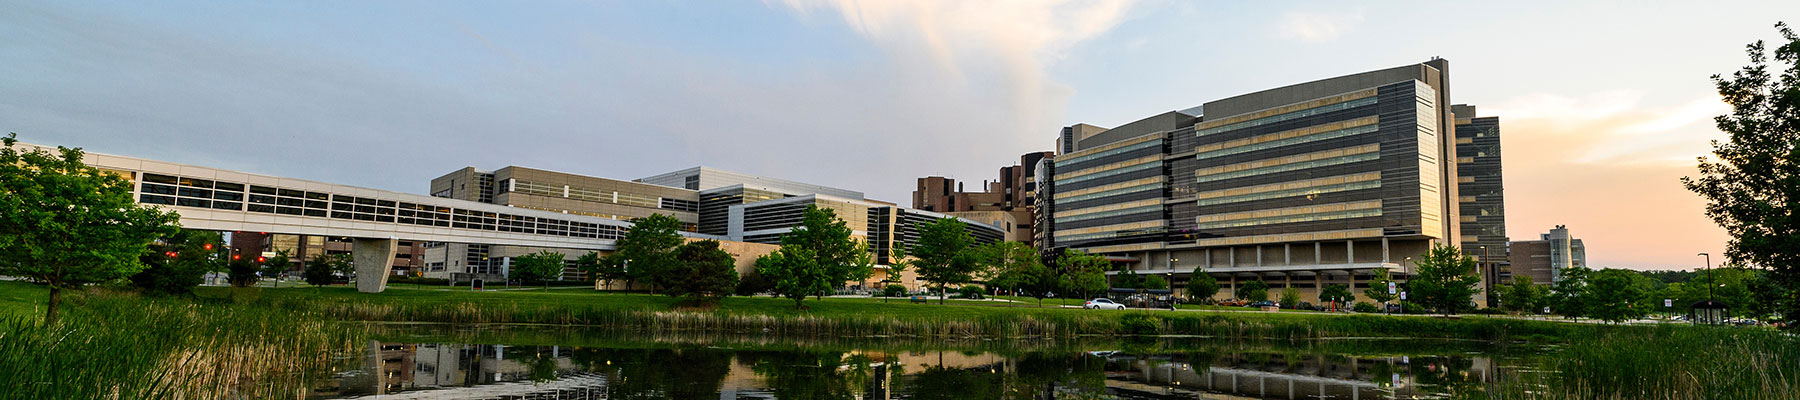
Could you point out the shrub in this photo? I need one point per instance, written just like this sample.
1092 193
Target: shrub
1411 308
970 292
1365 307
1141 324
1290 298
893 290
752 283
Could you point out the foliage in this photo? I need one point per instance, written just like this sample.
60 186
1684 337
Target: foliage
1127 279
1523 295
1202 286
646 252
893 290
752 283
1568 295
273 267
67 224
319 272
1446 279
178 263
543 267
1155 282
600 269
1365 307
241 272
815 257
1335 292
1378 287
1750 188
1256 290
1290 297
970 292
1614 295
944 256
706 272
1082 273
1010 266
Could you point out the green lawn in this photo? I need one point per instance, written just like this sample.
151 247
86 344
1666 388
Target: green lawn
23 299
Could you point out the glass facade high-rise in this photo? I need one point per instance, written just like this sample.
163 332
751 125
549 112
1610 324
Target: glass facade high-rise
1481 192
1300 186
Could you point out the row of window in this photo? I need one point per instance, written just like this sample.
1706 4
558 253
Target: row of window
1288 116
1327 135
1289 167
1309 191
1285 219
1112 213
1120 150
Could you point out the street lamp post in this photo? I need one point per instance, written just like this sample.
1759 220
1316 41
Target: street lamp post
1709 276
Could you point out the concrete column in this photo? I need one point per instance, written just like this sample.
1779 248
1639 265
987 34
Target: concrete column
1259 255
1319 253
374 261
1287 254
1349 251
1231 257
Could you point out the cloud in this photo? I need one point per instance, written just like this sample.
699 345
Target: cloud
1609 167
1315 27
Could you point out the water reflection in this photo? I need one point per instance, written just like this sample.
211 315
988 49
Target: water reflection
652 371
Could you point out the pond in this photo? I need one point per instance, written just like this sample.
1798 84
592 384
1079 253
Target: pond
522 362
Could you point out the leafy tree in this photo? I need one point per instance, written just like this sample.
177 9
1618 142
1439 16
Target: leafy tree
1523 295
1008 265
1082 273
1154 282
828 240
180 262
1127 279
893 290
273 267
66 224
1202 286
1290 297
1446 279
1614 296
1568 296
241 272
1750 189
319 272
795 273
647 251
542 266
1256 290
1338 293
752 283
600 269
1378 287
705 273
944 256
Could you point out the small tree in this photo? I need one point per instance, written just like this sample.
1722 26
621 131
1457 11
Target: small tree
1523 295
1446 279
1290 298
1338 293
180 262
828 241
795 273
1009 265
705 272
600 269
319 271
1154 282
1614 296
1082 273
647 251
542 266
241 272
751 283
1256 290
1202 286
1378 287
65 224
1568 296
273 267
944 256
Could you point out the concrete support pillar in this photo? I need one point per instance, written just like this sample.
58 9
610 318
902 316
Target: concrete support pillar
1384 250
1231 256
1349 251
1259 262
1287 254
1318 253
374 261
1206 258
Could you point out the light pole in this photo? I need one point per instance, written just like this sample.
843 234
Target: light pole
1709 277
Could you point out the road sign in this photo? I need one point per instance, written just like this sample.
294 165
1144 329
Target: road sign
1668 303
1402 295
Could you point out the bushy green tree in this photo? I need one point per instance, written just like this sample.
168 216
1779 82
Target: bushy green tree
65 224
178 263
705 273
241 272
1256 290
1335 292
1008 265
1202 286
1750 187
273 267
1290 297
647 252
1378 287
1082 273
815 257
1616 295
1523 295
1446 279
1127 279
542 267
323 266
600 269
893 290
1154 282
751 283
1568 296
795 273
944 256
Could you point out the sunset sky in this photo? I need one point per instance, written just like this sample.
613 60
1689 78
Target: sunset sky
1604 105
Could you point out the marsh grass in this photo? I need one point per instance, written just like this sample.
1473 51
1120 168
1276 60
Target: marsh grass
121 346
1670 363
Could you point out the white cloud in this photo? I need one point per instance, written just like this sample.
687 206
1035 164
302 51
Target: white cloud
1317 27
1613 126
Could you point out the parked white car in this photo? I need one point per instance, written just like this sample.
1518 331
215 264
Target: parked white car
1102 304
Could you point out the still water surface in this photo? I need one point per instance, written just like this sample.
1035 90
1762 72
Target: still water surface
425 364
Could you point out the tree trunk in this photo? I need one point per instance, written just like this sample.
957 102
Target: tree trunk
942 293
50 312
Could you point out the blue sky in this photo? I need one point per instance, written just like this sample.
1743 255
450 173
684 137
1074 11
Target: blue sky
1604 104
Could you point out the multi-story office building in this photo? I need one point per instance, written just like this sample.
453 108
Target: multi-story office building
1481 193
1014 192
1300 186
409 256
883 227
1545 259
